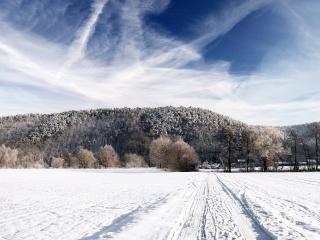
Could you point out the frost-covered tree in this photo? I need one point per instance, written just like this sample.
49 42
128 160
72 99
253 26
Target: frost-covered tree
139 143
315 133
57 162
133 160
228 147
108 157
294 141
182 157
159 151
70 160
8 157
249 136
268 145
31 157
86 158
306 148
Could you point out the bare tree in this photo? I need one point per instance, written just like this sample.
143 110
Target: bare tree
306 152
268 145
31 156
8 157
86 158
249 136
70 160
139 143
159 151
315 132
294 139
57 162
182 157
134 160
108 157
228 145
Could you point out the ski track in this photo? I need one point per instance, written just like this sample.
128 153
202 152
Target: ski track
282 215
149 204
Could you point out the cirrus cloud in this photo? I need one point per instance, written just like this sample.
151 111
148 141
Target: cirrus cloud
115 59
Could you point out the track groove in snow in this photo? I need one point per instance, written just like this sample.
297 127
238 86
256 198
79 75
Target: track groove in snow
278 208
262 232
137 204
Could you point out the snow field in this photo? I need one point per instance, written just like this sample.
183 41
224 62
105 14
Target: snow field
150 204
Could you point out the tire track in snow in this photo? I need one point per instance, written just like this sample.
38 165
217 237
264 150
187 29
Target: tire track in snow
189 224
161 218
278 200
208 230
284 218
206 215
263 233
222 223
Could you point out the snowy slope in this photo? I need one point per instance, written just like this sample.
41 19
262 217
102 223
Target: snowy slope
149 204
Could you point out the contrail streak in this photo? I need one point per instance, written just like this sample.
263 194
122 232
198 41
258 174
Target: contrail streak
79 46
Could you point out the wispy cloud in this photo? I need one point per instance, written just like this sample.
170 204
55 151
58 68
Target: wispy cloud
79 46
147 67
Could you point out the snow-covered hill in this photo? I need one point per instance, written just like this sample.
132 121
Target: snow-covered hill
150 204
126 129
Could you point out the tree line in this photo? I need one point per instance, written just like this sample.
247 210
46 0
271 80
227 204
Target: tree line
165 153
216 140
271 149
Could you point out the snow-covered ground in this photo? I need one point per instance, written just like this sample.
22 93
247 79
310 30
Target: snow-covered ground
149 204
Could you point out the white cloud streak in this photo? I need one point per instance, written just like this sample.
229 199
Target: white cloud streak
79 46
149 69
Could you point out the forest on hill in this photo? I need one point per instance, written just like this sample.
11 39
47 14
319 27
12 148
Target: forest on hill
37 139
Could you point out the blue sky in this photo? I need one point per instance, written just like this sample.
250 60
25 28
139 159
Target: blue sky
254 60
